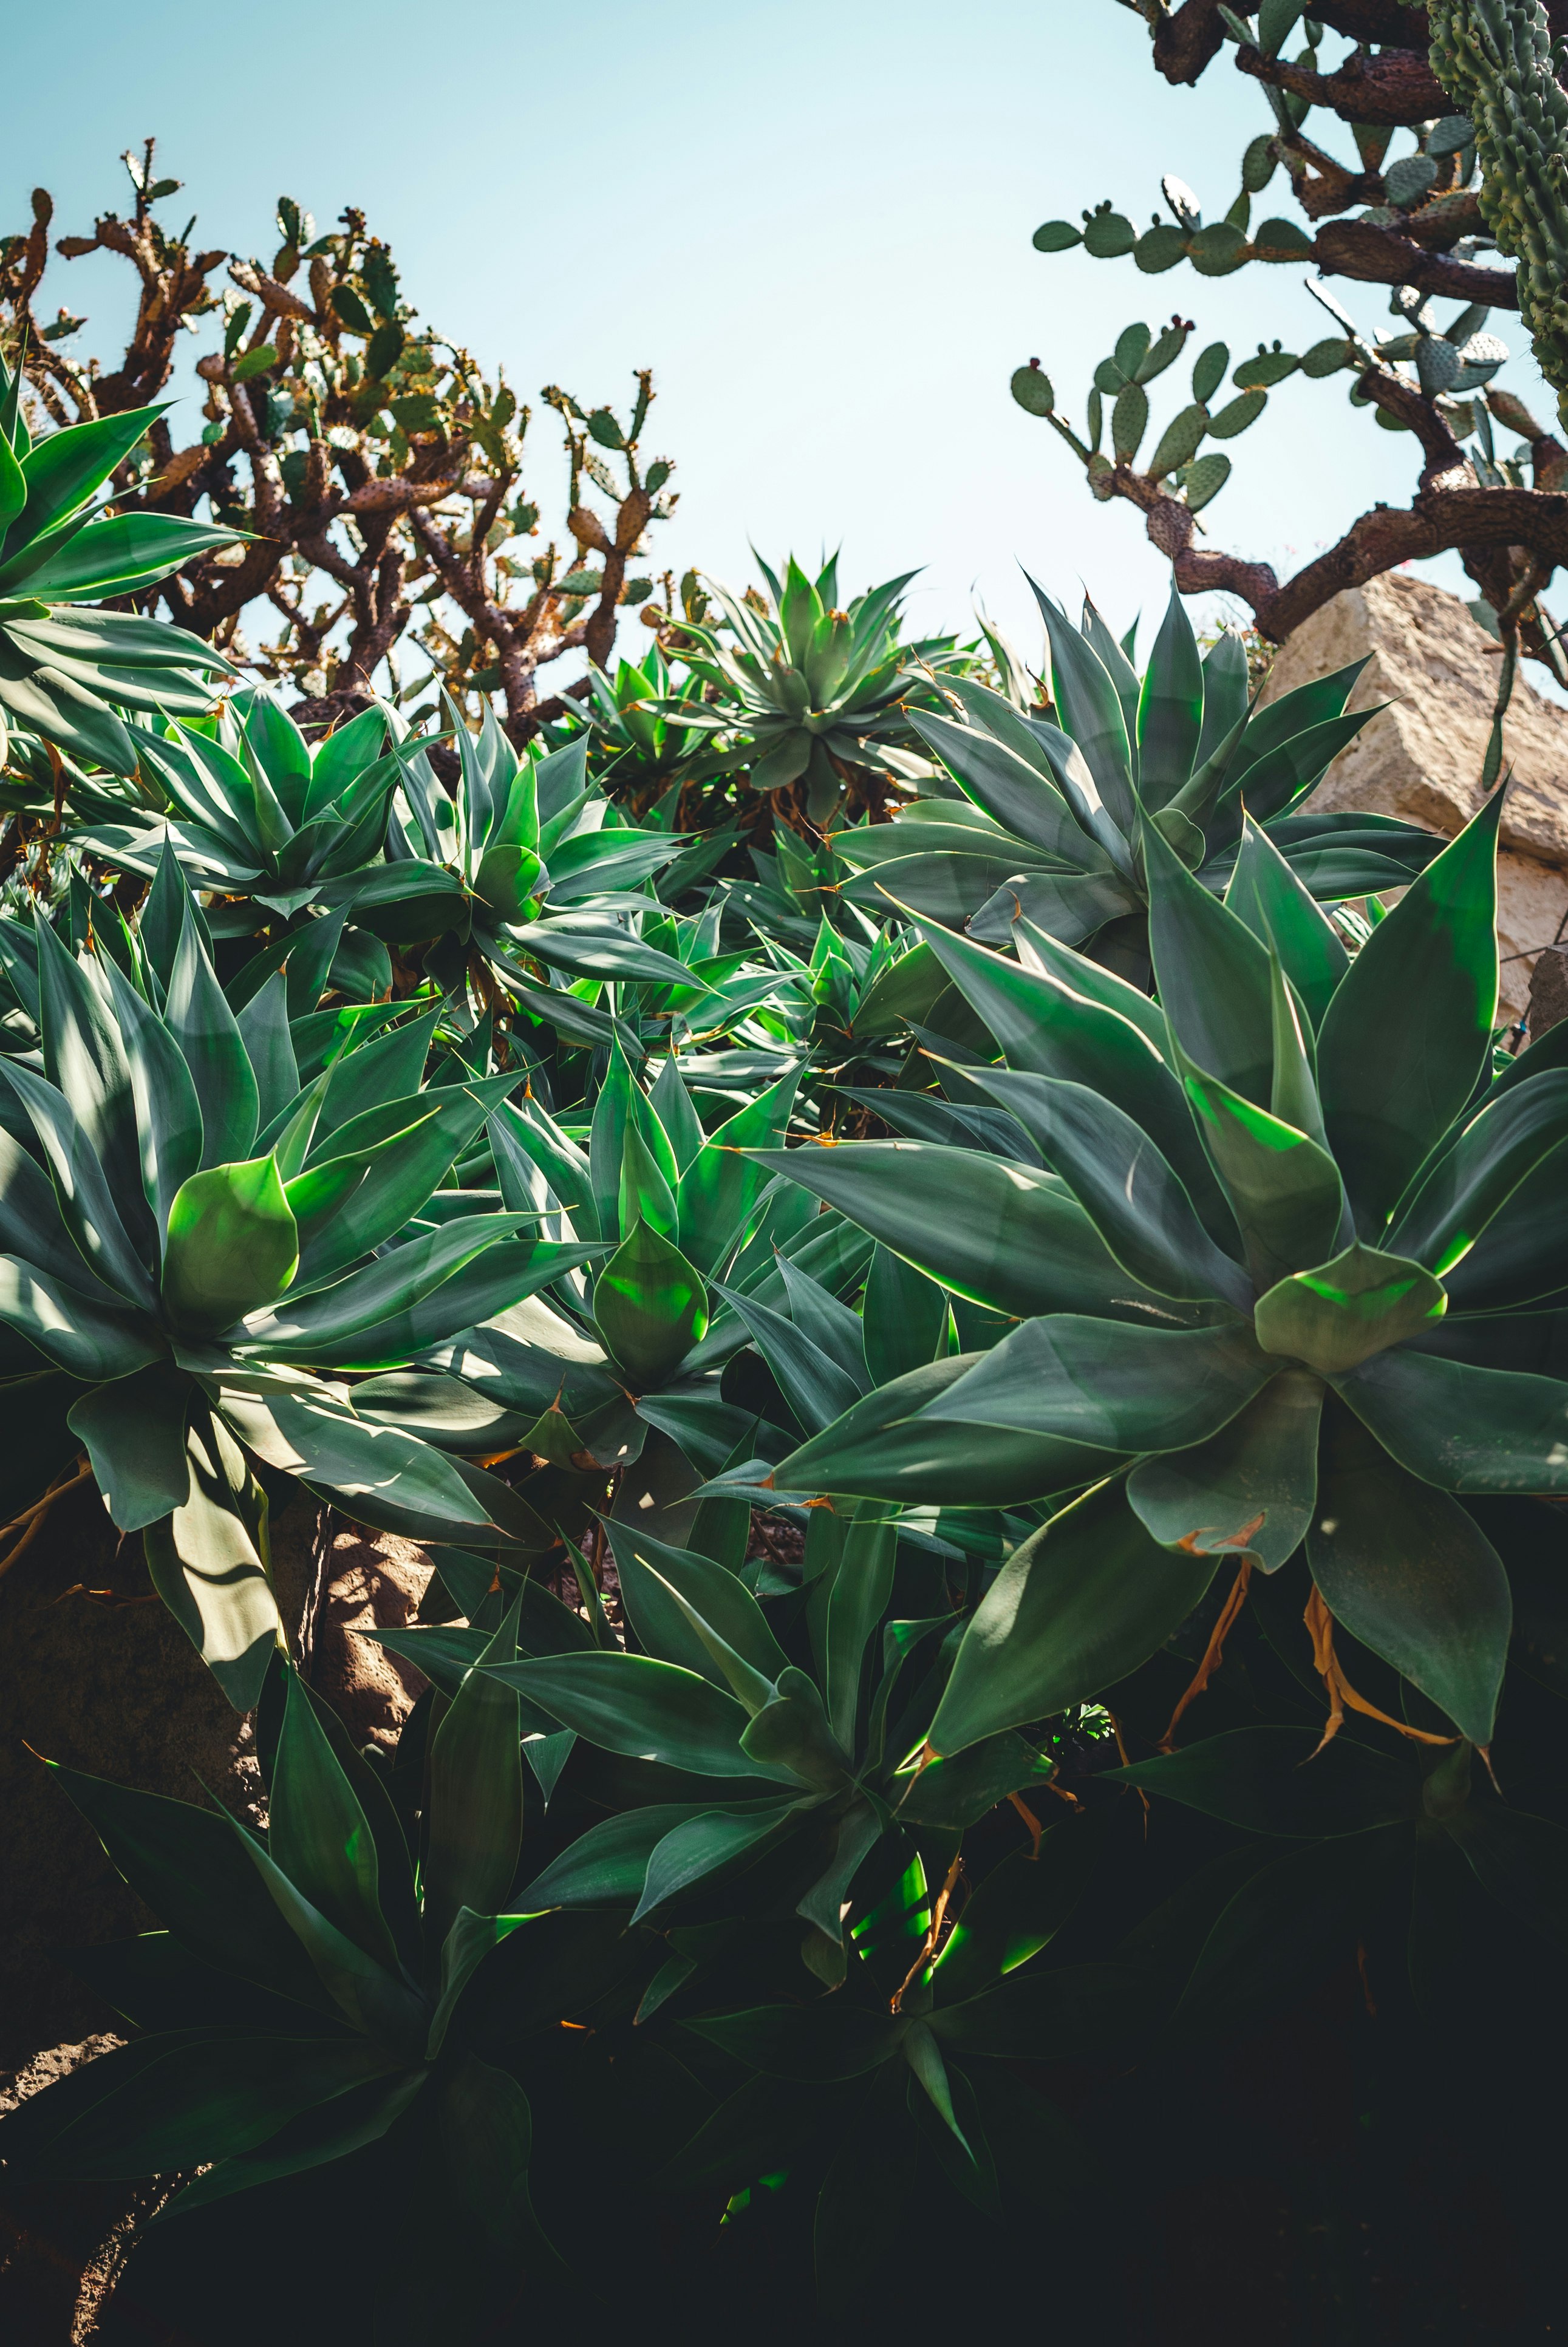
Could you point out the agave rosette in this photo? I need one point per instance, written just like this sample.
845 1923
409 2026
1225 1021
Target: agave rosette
192 1239
312 1988
1045 821
683 1237
528 869
815 690
1285 1258
66 674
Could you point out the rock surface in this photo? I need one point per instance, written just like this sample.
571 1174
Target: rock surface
371 1581
1421 757
63 2247
96 1673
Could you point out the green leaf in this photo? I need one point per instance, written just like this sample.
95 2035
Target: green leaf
264 1031
649 1307
427 1133
185 1864
474 1810
648 1568
1213 976
607 1865
1083 1601
168 1112
956 1794
232 1244
1484 1165
1259 1779
859 1597
295 1423
1125 1186
1022 1243
816 1387
1411 1574
651 1710
376 2002
671 1104
81 1190
1171 703
318 1834
205 1564
821 2043
905 1318
77 1335
1100 1381
134 1430
1343 1311
1249 1489
1410 1029
719 1186
700 1846
1090 710
1017 1909
888 1448
329 2131
63 469
1284 1189
1011 789
1263 892
1063 1020
390 1289
188 2102
85 1057
204 1028
1463 1428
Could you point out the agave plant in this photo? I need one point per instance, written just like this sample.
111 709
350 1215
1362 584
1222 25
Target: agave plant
1047 821
313 1988
190 1236
667 1212
910 2066
804 1754
1284 1255
817 691
644 748
527 869
263 817
65 674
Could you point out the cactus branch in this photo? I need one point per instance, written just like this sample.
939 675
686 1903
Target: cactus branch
1394 88
1448 513
1383 256
1499 61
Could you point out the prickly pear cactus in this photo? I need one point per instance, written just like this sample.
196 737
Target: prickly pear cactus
1499 62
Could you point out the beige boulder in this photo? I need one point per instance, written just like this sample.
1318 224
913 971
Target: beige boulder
1421 757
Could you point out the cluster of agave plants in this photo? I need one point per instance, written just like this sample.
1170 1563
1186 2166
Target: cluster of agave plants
983 1390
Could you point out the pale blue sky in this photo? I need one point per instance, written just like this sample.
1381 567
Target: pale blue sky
813 219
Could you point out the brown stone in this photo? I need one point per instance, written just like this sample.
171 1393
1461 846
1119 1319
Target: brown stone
1548 992
371 1581
94 1673
63 2246
1421 757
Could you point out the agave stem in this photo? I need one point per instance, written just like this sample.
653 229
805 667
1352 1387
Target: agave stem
35 1517
933 1932
1214 1652
1321 1627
